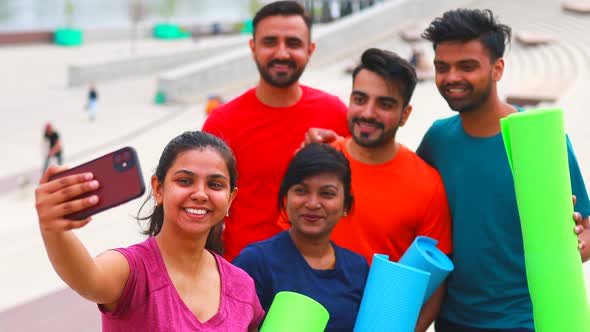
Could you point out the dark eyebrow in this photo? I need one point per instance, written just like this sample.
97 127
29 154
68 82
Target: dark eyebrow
389 99
468 62
294 39
217 176
460 62
269 38
380 98
184 171
359 93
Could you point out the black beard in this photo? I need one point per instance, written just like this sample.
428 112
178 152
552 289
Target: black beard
365 144
473 105
278 82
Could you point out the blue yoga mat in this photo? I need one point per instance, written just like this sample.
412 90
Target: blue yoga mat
424 255
393 297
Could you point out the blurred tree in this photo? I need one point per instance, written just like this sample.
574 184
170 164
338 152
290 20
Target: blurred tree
138 11
69 13
168 9
346 8
326 11
255 5
5 11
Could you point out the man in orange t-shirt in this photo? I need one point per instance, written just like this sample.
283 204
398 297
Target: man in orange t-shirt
395 201
397 195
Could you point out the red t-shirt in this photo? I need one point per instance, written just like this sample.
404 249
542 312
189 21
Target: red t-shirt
264 139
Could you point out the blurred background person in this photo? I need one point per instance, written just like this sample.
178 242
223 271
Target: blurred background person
53 146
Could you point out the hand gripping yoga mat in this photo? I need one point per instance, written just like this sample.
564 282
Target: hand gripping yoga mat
393 297
535 142
294 312
424 255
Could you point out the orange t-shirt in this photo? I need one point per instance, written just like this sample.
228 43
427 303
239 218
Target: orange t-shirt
394 203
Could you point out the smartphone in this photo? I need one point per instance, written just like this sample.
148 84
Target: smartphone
119 176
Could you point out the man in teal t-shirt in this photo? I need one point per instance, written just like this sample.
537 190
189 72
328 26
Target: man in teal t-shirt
488 289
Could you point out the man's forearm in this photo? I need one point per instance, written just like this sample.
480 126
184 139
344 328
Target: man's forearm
430 309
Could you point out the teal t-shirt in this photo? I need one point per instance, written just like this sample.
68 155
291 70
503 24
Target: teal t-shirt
488 288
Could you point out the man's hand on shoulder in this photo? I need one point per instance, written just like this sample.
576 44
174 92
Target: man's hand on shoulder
320 135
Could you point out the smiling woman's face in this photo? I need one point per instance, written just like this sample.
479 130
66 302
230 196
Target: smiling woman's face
315 205
196 192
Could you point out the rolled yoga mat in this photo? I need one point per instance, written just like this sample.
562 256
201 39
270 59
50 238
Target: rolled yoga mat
424 255
535 143
294 312
393 297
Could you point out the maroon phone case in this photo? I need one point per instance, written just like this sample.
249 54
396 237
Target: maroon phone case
119 176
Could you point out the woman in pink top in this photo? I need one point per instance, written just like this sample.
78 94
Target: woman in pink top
175 280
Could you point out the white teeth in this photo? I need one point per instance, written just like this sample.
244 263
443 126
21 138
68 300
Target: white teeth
456 90
196 211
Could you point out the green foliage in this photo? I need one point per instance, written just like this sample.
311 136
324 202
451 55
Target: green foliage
255 5
168 9
69 13
5 11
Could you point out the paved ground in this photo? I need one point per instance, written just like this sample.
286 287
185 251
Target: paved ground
34 91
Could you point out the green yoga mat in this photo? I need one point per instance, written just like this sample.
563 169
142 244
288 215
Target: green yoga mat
295 312
535 142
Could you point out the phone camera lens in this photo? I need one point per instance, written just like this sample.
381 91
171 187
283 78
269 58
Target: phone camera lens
126 155
118 158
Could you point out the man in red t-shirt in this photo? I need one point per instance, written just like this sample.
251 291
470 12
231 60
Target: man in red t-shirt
265 125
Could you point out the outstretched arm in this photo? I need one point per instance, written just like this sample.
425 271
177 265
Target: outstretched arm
99 279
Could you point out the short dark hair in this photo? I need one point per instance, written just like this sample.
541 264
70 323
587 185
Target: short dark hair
391 67
281 8
190 140
467 24
316 159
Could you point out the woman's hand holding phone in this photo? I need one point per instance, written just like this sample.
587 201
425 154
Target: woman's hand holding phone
118 174
56 199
